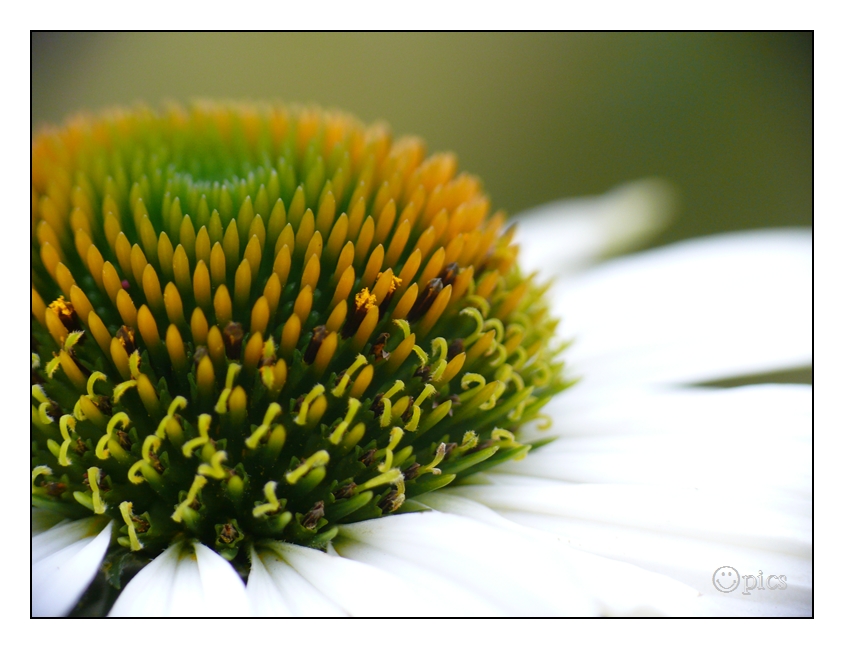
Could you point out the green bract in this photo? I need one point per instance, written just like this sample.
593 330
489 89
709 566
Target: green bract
255 322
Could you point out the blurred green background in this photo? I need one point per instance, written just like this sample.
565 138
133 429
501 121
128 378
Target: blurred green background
726 117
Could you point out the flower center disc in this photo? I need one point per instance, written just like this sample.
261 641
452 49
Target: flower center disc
259 323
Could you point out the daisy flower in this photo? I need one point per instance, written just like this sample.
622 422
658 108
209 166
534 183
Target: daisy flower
285 365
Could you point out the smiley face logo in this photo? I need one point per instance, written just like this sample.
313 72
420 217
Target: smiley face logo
725 579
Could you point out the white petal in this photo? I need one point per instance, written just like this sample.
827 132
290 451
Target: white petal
451 598
699 310
148 593
186 580
560 237
685 533
620 588
65 560
265 598
513 573
689 559
748 438
720 516
355 588
275 589
692 480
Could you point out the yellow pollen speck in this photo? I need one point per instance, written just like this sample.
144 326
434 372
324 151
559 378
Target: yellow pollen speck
61 307
395 282
364 300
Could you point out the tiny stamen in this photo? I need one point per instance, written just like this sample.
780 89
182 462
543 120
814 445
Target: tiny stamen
318 459
126 512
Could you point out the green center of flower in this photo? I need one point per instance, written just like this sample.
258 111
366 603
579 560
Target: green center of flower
260 323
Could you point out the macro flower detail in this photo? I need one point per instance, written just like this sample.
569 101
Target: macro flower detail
284 365
253 325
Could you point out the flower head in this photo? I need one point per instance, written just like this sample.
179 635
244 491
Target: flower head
252 324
